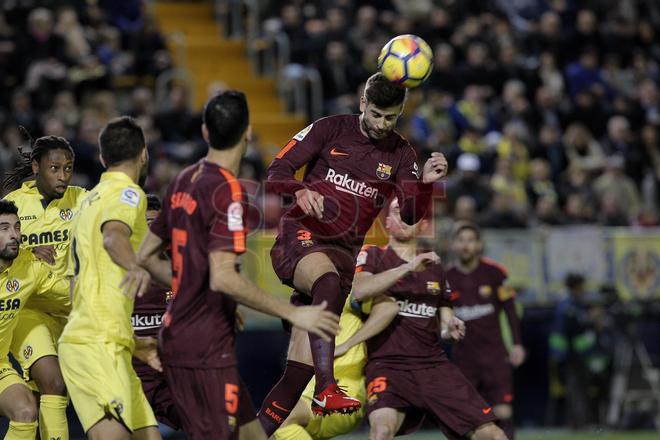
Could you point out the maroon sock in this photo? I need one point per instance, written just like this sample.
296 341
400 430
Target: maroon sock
506 425
326 288
278 404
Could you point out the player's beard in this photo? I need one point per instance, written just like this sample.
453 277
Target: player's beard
144 172
467 259
8 254
373 134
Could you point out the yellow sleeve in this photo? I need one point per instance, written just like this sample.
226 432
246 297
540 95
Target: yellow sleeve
126 205
47 281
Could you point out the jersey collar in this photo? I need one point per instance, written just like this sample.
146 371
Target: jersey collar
116 175
30 186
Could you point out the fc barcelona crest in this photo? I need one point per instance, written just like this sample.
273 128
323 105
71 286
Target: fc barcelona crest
384 171
433 287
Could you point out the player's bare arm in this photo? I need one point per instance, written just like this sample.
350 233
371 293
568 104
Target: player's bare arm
45 253
117 243
146 351
383 312
452 329
149 257
225 279
367 285
435 168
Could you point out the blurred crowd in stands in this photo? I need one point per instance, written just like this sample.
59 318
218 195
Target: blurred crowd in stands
548 110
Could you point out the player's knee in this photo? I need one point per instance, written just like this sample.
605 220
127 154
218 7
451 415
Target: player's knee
381 432
24 411
503 412
52 384
488 432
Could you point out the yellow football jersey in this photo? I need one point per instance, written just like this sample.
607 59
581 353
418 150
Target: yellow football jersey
47 225
26 276
101 312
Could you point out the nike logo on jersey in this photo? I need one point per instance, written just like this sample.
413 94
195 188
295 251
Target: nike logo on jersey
280 407
487 410
335 152
320 403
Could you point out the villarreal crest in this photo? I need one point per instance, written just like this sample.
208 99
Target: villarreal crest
384 171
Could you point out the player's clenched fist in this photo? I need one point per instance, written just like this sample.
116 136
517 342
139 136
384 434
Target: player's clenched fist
422 261
310 202
435 168
317 320
454 332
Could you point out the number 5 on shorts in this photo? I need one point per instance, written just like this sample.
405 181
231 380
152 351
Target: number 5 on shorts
231 398
378 385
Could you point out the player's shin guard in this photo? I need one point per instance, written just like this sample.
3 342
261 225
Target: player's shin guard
21 431
326 288
506 425
52 417
279 403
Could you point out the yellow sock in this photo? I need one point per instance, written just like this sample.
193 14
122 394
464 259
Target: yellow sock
21 431
292 432
52 417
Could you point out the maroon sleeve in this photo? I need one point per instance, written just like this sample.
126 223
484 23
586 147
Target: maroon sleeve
227 220
414 195
300 150
506 297
160 226
368 259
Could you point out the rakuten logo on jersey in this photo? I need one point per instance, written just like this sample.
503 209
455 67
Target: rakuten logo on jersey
145 322
416 310
346 184
470 313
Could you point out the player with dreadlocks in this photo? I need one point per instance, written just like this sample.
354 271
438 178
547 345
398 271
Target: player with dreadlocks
46 205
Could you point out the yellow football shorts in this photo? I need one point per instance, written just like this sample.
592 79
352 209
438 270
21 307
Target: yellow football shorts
327 427
35 336
101 381
8 376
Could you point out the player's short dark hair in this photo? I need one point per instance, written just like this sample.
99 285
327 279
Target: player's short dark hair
153 203
40 147
121 140
382 92
226 117
573 280
8 207
465 225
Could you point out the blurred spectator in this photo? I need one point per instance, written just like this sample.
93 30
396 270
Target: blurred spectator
338 73
445 76
615 191
430 119
584 75
620 141
176 121
502 213
512 148
467 182
539 185
582 149
550 148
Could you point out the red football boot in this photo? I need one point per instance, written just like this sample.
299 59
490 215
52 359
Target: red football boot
334 400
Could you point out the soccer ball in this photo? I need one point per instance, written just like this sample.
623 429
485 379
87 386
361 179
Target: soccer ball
406 60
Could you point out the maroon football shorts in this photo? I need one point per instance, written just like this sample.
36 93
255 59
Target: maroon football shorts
441 392
159 395
207 400
493 380
294 242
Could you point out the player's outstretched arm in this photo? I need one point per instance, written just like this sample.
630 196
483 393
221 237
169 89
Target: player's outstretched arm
452 329
415 195
149 257
368 285
382 314
117 243
225 279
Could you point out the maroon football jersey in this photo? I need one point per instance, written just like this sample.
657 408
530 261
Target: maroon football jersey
412 340
478 298
148 311
204 211
354 174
